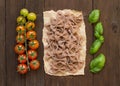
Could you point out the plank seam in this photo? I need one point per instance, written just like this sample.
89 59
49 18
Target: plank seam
5 43
93 38
44 5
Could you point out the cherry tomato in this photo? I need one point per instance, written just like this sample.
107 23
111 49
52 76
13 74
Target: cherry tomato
22 69
24 12
33 44
20 39
21 20
22 58
32 54
30 25
20 30
31 16
31 35
19 49
34 64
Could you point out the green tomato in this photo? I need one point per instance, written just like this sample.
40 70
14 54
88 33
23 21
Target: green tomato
95 46
21 20
97 63
99 28
24 12
31 16
94 16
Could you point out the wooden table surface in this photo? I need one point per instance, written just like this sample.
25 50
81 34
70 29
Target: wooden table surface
110 17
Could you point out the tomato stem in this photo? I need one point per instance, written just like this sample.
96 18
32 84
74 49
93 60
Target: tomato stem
26 51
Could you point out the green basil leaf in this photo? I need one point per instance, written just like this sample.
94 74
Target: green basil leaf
95 46
101 38
96 34
97 63
99 28
94 16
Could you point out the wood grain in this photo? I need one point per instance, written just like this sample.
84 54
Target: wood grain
2 45
72 80
110 76
12 11
36 78
110 11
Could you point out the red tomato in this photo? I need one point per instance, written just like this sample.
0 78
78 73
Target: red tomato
34 64
32 54
22 58
22 69
20 39
20 30
19 49
33 44
31 35
30 25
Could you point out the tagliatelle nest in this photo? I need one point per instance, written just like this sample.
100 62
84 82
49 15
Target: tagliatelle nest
64 42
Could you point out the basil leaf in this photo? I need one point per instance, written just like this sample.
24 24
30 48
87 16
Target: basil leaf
99 28
95 46
94 16
96 34
101 38
97 63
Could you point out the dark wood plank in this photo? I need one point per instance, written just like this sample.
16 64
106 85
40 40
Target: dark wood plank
2 44
12 12
36 78
110 12
72 80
